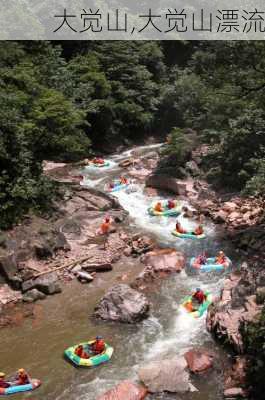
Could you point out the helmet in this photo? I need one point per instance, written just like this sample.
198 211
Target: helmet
198 289
2 374
99 337
21 370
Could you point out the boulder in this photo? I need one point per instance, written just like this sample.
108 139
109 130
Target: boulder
235 307
125 391
8 266
198 360
48 283
140 174
166 375
165 260
165 182
235 393
33 295
124 304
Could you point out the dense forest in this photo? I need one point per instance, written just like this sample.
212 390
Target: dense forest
64 101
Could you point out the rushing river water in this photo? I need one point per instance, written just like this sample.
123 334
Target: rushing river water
64 319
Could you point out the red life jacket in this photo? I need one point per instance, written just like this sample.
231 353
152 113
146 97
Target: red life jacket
199 296
99 346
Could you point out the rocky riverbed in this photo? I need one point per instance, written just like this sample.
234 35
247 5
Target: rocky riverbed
42 255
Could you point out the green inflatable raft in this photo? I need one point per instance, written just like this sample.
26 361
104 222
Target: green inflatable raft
91 361
187 304
188 235
167 212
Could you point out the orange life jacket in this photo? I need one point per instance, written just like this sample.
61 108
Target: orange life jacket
105 227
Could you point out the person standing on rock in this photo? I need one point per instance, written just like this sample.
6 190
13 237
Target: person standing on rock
104 230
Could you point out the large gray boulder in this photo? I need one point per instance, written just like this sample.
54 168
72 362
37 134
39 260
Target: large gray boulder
166 375
48 284
124 304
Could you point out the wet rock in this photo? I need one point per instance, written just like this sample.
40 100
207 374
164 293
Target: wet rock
150 192
165 260
140 174
126 163
198 360
164 182
235 393
125 391
27 285
166 375
8 265
226 316
49 241
124 304
141 244
42 249
8 295
146 277
33 295
48 283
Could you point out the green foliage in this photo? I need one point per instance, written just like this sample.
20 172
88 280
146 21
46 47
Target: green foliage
36 122
254 341
179 145
221 94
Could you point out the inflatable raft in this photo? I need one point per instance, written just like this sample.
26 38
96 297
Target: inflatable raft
187 235
167 212
210 265
117 187
93 165
187 303
93 360
35 383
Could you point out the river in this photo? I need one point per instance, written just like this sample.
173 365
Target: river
65 319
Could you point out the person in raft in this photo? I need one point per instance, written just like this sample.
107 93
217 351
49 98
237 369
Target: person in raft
158 207
198 296
123 180
98 160
80 352
98 346
202 259
179 228
3 383
220 258
198 231
171 204
22 377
